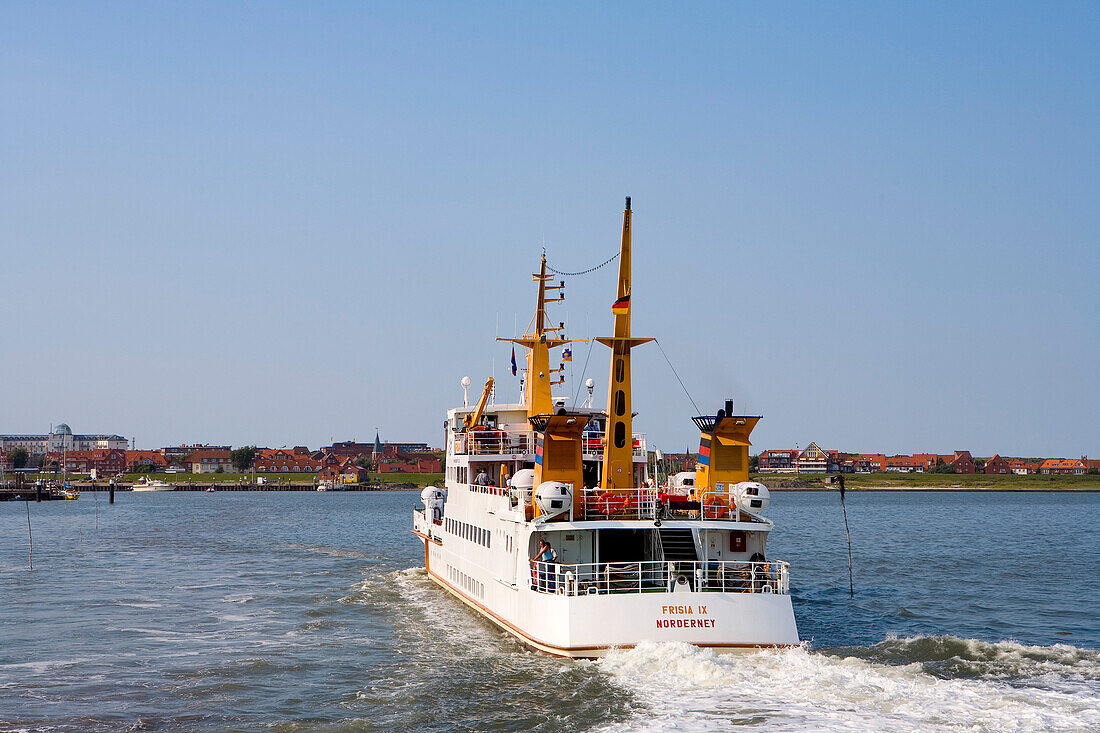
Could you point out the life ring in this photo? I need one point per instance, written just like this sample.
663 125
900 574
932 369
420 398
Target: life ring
714 508
610 504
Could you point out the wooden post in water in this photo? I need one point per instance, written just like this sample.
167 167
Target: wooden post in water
851 584
30 537
111 492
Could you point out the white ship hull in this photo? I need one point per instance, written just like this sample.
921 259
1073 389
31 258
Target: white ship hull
588 628
153 487
579 621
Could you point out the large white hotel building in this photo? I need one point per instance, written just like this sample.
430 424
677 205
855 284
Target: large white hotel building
61 440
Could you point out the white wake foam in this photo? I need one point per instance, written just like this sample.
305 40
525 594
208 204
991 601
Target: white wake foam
687 688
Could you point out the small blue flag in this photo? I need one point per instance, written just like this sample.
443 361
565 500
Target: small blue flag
513 361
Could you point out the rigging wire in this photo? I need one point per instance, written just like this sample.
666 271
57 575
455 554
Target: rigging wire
697 410
609 260
584 370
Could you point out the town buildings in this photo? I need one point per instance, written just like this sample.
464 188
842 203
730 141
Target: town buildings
61 449
811 459
105 462
150 461
210 460
815 460
286 461
777 461
1020 467
1064 466
61 439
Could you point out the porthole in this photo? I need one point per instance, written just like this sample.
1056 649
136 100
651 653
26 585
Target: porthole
620 434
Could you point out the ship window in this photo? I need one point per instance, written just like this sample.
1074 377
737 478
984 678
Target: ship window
620 369
620 434
620 402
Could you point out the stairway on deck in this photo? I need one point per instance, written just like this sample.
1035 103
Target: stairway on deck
678 544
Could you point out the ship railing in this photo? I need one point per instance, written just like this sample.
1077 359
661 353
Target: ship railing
711 505
493 442
661 576
592 444
618 504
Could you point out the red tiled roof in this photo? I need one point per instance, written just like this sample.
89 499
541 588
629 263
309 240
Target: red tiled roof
1062 463
209 453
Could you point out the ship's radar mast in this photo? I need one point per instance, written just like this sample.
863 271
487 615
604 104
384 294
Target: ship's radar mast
618 454
538 341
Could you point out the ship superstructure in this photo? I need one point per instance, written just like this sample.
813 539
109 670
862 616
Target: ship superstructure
631 561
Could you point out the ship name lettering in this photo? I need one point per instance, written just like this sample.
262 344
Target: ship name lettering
685 623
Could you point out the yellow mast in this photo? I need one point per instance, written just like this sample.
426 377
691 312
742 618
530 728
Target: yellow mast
618 453
558 436
537 390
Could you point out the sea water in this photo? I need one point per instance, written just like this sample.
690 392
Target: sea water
307 611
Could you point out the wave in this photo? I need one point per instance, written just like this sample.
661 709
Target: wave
328 551
899 684
950 657
882 687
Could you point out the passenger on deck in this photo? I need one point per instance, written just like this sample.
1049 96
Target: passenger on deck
546 555
761 572
482 478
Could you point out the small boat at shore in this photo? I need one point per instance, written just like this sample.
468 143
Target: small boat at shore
67 492
155 485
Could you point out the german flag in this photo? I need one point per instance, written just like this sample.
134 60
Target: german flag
621 306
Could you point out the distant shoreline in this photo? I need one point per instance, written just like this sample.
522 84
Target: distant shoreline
951 489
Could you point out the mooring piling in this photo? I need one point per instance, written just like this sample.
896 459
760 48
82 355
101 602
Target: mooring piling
30 537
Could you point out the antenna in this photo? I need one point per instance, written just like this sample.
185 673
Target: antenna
590 383
465 382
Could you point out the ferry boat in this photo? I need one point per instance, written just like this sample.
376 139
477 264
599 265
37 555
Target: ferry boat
626 561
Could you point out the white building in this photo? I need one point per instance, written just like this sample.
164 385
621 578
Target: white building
61 440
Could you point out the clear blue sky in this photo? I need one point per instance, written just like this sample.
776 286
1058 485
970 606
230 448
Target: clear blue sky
875 224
